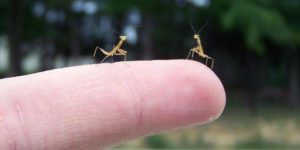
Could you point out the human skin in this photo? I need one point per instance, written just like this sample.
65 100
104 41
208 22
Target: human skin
101 106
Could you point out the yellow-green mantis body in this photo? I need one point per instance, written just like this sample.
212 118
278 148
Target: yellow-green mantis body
199 50
115 51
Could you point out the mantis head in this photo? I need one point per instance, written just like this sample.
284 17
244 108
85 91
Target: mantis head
196 36
123 38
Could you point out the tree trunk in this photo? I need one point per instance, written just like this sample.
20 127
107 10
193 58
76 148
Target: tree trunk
252 82
14 32
48 54
75 41
294 81
147 39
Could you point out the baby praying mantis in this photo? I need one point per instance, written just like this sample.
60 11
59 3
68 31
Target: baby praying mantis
199 49
115 51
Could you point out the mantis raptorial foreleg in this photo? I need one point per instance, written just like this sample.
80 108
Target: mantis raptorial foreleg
122 52
104 59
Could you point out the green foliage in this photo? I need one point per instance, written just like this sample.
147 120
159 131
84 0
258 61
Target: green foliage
153 6
3 15
60 3
259 143
257 23
157 141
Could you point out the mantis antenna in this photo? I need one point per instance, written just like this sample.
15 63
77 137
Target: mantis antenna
138 26
202 27
115 31
194 31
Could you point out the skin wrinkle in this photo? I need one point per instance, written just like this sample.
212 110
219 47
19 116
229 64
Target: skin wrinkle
158 102
5 94
77 126
22 123
90 118
11 139
56 113
44 106
131 97
112 95
168 94
102 77
152 94
69 85
139 113
40 107
115 82
154 109
85 82
141 85
53 116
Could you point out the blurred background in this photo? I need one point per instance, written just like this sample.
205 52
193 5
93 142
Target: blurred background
255 44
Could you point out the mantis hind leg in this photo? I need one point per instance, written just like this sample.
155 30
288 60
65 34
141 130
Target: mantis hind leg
212 62
94 55
125 57
191 53
122 53
104 59
96 49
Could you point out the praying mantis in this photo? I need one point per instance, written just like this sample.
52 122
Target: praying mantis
199 49
115 51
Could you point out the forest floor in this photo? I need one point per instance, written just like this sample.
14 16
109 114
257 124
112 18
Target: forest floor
273 126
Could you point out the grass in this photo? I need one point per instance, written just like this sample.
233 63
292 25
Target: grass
273 127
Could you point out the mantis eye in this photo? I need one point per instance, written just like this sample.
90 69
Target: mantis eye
123 38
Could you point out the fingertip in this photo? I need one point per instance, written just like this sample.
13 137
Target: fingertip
189 94
206 97
216 96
